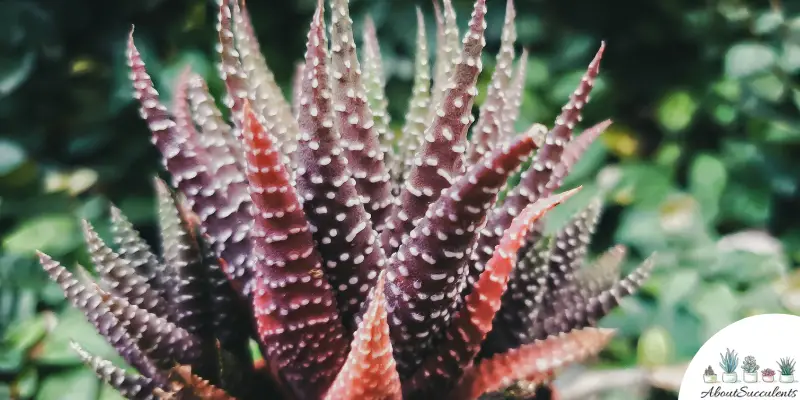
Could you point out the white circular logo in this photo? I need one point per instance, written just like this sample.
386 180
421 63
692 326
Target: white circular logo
756 357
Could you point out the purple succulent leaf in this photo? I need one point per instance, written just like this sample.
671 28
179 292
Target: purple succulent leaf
190 303
188 166
133 387
441 159
426 275
487 131
118 274
114 318
354 119
133 248
216 134
513 97
268 99
84 295
537 181
344 234
448 51
463 336
603 273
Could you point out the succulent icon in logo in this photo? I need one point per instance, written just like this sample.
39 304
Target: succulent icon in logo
709 376
786 365
750 368
768 375
728 362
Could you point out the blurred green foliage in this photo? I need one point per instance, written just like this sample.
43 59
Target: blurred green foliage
700 166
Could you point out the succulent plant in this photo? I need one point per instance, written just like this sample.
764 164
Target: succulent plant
749 365
768 372
729 361
709 371
786 366
360 265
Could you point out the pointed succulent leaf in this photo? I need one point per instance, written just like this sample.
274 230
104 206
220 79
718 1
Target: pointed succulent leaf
133 248
354 119
87 297
426 274
441 158
416 116
180 158
230 66
602 273
297 86
370 371
210 121
160 340
187 385
267 98
513 97
133 387
522 300
118 274
575 149
600 305
190 305
230 222
181 111
571 244
534 362
375 83
487 130
187 165
473 321
448 51
576 311
294 305
536 181
567 254
344 234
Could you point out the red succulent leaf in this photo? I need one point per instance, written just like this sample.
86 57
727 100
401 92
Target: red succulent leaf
186 385
294 305
535 362
370 371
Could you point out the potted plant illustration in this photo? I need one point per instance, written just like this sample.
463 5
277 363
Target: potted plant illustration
750 368
709 376
729 362
786 365
768 375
